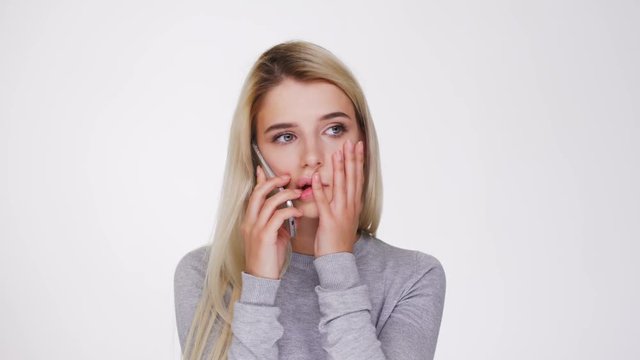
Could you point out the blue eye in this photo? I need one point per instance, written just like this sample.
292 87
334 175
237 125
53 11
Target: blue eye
339 133
339 126
279 135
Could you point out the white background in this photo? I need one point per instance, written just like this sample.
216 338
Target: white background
509 136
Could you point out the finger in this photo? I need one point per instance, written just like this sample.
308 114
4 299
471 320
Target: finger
350 169
272 203
251 212
359 174
259 194
281 216
318 195
258 173
283 231
269 184
338 197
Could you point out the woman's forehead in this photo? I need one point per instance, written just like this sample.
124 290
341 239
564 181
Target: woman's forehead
294 101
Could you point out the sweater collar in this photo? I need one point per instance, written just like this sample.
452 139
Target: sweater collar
305 262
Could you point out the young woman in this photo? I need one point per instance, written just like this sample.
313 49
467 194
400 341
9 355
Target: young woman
334 291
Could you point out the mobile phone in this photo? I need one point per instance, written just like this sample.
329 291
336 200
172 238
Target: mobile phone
291 222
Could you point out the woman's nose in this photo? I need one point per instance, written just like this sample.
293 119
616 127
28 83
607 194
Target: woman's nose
313 156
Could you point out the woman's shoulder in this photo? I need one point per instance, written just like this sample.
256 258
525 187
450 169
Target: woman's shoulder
376 253
190 274
192 266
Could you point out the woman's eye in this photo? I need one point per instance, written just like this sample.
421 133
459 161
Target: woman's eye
335 133
275 138
341 127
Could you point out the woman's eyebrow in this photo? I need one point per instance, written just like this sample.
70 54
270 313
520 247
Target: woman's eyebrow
328 116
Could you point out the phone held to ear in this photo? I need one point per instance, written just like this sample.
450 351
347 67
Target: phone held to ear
291 222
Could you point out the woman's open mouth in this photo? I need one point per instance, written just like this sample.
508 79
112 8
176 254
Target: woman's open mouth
307 192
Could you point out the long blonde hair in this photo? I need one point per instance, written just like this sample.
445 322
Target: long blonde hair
302 61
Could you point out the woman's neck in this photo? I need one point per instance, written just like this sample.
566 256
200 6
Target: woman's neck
304 242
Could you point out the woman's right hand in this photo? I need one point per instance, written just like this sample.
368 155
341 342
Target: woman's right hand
263 230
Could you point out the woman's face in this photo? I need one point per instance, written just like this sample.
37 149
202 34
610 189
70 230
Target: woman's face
300 125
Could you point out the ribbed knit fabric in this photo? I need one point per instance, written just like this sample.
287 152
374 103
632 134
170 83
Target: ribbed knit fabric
379 302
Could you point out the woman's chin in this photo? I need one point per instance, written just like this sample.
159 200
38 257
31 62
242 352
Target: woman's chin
309 209
310 215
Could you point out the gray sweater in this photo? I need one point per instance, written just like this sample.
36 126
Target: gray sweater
379 302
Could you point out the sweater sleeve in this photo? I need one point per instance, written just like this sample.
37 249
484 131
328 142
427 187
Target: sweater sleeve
345 310
255 326
411 331
346 328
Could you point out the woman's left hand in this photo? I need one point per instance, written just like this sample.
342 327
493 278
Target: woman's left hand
338 224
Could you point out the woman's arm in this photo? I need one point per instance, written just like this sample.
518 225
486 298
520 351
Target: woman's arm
255 325
255 328
410 332
187 286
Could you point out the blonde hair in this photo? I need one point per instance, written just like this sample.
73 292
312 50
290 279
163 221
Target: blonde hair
302 61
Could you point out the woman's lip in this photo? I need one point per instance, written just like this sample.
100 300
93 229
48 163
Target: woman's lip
309 186
304 181
307 194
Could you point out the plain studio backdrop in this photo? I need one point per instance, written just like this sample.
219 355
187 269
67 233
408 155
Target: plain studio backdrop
509 135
